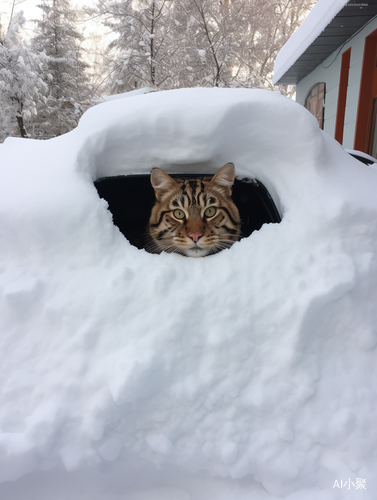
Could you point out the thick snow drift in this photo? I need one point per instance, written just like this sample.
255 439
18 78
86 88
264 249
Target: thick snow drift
247 374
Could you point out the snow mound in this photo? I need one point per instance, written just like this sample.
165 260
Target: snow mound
247 374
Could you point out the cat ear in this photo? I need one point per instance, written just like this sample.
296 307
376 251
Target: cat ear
161 182
225 178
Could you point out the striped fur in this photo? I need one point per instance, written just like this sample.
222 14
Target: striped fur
193 217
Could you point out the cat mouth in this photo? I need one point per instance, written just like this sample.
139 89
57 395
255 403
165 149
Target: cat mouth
195 251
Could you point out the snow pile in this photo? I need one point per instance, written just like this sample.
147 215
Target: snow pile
320 16
247 374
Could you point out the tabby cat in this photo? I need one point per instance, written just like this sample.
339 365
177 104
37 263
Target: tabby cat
194 217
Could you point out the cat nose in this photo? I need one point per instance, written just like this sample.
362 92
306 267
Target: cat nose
195 236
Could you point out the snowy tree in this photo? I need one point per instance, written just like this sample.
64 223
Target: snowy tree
269 26
235 42
22 90
95 49
170 43
143 52
66 78
211 45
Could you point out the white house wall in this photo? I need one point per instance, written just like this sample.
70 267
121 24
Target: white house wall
329 72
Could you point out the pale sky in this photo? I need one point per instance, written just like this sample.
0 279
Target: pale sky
32 12
30 9
30 6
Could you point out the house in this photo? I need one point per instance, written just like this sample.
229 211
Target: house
332 60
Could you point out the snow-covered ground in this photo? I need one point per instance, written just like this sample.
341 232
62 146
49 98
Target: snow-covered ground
247 374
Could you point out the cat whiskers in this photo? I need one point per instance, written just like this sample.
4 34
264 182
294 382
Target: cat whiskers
163 246
221 245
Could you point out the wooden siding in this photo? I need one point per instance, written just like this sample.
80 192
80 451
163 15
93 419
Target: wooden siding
342 95
329 72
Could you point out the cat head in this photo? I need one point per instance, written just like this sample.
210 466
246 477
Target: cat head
194 217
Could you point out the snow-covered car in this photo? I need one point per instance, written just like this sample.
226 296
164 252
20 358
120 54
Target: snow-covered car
246 374
363 157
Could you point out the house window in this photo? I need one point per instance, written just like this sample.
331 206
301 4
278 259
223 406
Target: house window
314 102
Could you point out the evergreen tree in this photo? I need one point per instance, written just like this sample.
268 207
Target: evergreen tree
22 90
66 78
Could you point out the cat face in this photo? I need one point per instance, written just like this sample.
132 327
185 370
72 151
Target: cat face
193 217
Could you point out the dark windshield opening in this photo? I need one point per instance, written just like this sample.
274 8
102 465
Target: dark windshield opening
131 199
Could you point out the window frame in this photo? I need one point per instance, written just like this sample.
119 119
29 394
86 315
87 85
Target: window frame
314 94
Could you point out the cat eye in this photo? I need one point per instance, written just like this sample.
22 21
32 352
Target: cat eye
210 211
179 214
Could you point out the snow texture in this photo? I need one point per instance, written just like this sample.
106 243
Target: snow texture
247 374
320 16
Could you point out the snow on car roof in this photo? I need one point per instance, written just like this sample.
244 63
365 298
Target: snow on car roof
249 373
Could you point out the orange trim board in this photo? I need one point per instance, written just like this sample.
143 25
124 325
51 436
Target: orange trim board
374 91
342 96
365 105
